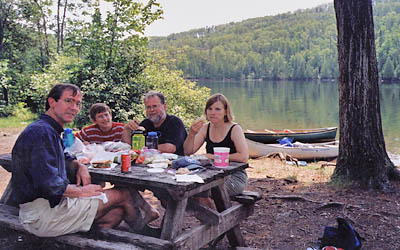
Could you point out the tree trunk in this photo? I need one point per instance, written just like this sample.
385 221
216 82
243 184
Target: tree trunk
362 154
44 27
5 95
63 23
58 26
39 28
113 34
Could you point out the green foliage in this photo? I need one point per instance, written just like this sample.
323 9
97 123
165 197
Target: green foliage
15 116
59 70
183 97
102 54
112 56
388 69
22 113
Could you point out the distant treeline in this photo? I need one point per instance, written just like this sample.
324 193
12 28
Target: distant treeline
298 45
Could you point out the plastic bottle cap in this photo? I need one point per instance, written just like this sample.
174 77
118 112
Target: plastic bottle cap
68 130
152 134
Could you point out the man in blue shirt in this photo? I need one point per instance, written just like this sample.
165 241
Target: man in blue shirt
49 204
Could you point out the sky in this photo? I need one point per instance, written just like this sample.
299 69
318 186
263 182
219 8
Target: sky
184 15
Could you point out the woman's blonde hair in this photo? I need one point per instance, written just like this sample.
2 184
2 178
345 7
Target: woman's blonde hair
220 97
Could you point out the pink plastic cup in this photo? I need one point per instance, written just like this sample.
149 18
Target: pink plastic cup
221 156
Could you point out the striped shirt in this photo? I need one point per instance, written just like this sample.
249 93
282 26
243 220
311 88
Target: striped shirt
93 134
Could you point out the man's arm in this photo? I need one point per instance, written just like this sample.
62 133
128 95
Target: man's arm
127 132
74 191
82 173
82 136
167 148
174 136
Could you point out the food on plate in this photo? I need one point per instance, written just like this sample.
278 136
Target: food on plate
101 164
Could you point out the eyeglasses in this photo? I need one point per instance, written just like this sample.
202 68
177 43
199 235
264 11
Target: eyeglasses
71 102
148 108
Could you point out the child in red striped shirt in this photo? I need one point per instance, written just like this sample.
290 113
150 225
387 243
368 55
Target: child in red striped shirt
103 128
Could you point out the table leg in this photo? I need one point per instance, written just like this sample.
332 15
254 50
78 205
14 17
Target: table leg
222 202
173 218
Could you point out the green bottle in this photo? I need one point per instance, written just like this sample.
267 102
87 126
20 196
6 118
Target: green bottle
138 140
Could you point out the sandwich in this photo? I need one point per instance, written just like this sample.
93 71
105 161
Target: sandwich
101 164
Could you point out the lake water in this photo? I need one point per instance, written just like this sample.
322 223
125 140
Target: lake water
296 104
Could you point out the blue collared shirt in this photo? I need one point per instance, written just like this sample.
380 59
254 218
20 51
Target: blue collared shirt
38 158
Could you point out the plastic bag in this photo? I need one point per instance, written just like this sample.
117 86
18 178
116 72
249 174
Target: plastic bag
286 141
76 148
112 146
184 161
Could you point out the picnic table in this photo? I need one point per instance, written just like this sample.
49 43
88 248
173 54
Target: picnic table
213 223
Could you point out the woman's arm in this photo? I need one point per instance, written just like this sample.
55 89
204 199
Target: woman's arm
242 151
195 138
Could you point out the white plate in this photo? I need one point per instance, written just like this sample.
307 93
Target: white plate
158 165
155 170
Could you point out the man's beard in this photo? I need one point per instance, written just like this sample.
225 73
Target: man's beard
156 118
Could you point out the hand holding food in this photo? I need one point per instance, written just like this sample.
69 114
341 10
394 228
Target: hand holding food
197 124
133 125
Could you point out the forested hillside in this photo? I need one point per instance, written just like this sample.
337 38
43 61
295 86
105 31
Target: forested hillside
297 45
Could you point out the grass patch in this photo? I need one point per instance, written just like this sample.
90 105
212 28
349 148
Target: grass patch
14 122
292 178
340 183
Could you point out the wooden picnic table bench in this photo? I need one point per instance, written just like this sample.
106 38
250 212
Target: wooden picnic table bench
213 223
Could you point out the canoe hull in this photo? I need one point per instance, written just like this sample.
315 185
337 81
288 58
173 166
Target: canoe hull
304 135
301 151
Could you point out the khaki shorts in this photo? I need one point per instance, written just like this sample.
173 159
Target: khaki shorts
69 216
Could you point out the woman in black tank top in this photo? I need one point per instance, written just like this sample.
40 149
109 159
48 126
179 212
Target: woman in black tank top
221 131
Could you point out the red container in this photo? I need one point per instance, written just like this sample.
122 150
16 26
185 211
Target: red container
125 163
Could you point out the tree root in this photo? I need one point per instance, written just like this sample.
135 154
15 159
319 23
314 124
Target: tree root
323 204
282 157
291 198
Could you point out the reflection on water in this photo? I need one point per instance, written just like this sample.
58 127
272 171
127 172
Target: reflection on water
289 104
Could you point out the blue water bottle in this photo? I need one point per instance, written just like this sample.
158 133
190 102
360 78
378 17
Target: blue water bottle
152 140
68 138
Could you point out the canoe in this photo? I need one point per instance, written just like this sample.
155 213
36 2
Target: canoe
301 151
301 135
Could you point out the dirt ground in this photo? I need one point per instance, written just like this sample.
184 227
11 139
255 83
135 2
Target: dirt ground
297 203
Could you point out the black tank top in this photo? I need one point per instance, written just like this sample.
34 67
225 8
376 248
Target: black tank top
226 142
